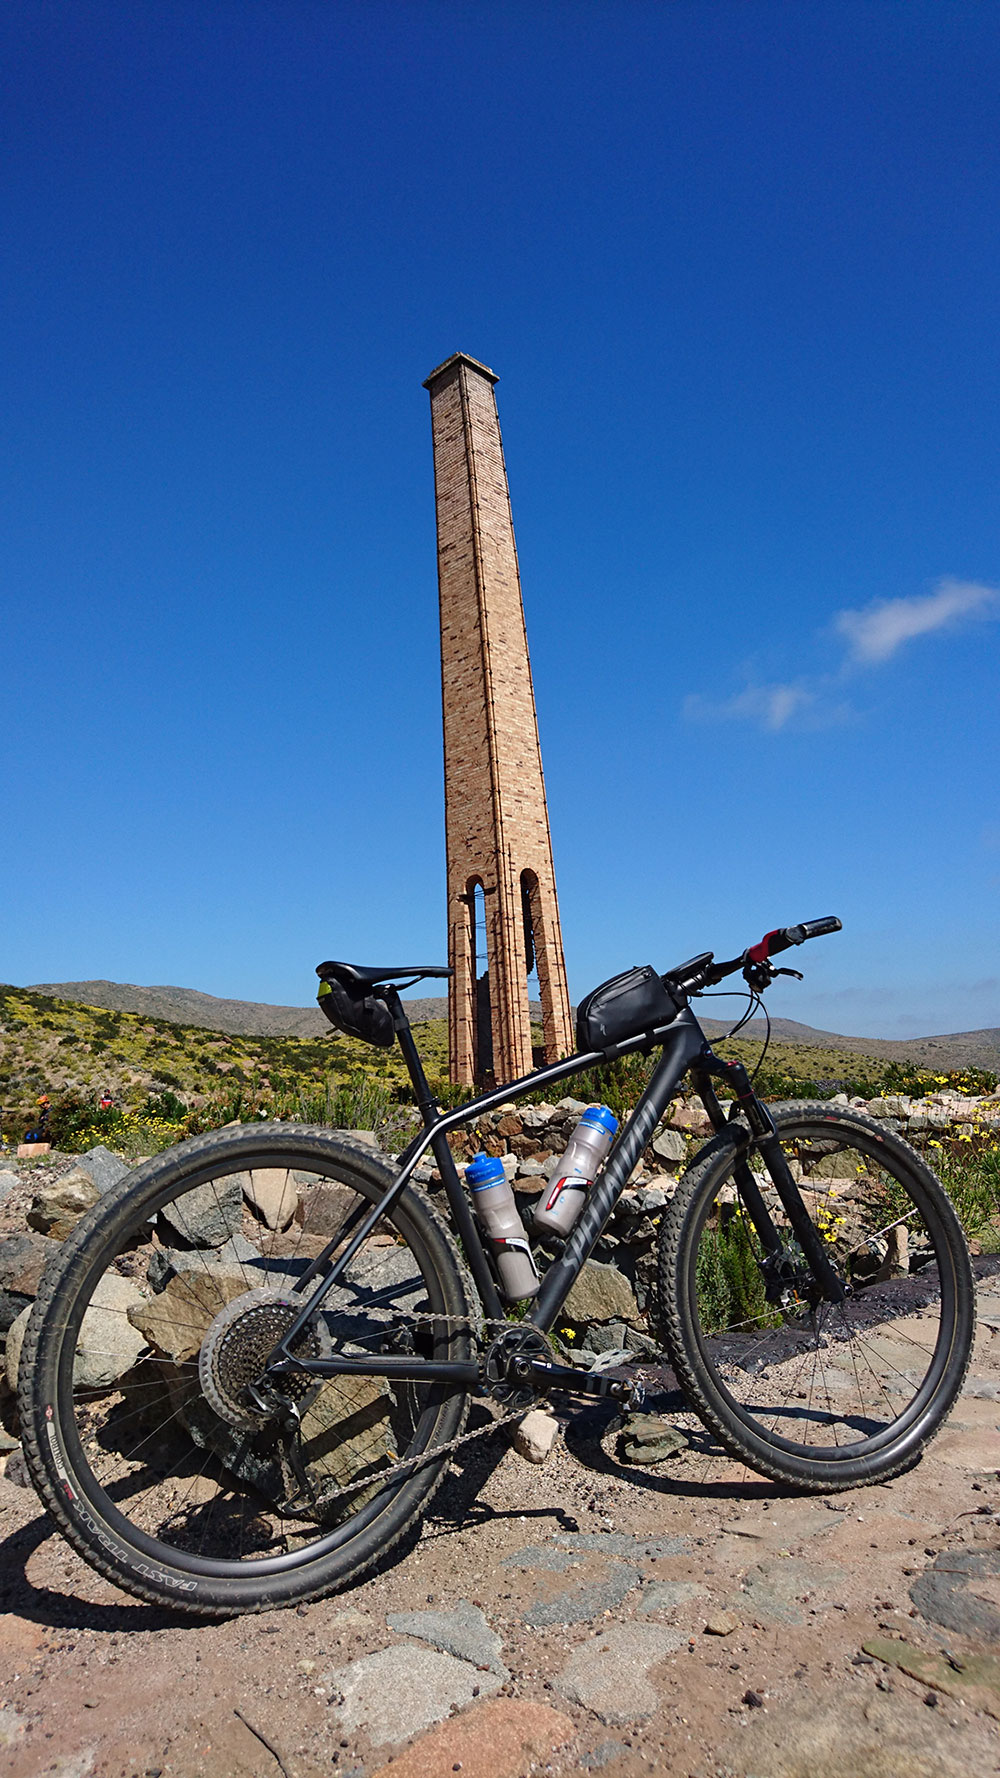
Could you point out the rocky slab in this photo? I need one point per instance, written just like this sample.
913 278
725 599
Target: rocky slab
609 1674
463 1632
399 1691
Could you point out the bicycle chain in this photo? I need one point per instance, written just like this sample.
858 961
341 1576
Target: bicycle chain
417 1462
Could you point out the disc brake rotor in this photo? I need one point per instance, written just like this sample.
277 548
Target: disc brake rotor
237 1346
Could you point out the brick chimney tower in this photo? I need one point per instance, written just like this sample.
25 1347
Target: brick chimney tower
503 916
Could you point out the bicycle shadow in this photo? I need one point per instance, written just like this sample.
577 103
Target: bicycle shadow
57 1610
457 1505
585 1433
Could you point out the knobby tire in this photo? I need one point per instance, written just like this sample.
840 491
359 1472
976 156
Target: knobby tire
141 1473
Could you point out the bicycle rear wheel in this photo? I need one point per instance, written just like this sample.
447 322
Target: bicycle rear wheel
141 1437
803 1390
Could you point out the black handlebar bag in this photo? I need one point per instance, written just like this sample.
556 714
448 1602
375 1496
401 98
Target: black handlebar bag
623 1007
357 1014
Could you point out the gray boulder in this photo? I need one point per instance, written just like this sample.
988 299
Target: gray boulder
601 1293
103 1167
209 1214
58 1205
109 1344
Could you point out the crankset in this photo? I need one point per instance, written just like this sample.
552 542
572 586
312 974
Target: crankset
518 1368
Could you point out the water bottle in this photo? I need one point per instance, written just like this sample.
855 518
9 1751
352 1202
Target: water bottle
560 1204
496 1211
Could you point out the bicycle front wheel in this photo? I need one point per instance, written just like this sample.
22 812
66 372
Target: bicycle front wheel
142 1428
803 1390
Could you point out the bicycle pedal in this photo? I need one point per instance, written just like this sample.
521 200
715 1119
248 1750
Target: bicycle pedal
636 1394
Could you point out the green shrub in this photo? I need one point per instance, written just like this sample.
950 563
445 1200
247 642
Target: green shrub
730 1287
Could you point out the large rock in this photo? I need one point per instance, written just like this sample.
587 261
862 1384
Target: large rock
109 1342
209 1214
23 1258
346 1438
58 1205
272 1196
601 1293
103 1167
177 1320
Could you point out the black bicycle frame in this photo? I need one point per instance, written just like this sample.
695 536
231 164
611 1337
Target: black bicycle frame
684 1046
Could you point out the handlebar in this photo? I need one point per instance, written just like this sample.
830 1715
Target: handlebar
786 936
703 972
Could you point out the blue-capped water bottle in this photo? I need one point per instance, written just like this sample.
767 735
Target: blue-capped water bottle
560 1204
496 1212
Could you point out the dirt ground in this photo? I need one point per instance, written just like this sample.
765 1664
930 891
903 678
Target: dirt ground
586 1614
684 1618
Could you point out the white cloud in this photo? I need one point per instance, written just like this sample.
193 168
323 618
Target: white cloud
876 632
773 706
873 634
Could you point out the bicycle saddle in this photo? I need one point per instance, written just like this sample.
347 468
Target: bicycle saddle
366 975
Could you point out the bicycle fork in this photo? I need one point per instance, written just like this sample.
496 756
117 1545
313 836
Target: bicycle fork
763 1133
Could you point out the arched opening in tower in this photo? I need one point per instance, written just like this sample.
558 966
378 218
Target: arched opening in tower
479 952
529 910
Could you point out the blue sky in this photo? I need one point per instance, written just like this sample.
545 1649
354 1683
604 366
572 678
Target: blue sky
737 267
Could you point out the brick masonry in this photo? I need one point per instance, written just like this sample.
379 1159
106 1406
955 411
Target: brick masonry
496 820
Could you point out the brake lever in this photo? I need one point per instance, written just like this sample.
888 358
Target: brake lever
760 975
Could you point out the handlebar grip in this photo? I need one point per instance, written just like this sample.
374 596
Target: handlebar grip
786 936
817 928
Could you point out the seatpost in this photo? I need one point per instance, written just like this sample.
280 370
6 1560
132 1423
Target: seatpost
426 1102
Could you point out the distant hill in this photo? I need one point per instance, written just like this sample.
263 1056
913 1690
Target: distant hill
245 1018
959 1049
188 1006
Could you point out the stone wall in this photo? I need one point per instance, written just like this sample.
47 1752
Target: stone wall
530 1140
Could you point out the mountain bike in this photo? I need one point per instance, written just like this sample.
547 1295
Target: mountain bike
251 1363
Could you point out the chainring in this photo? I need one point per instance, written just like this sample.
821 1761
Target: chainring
507 1370
236 1348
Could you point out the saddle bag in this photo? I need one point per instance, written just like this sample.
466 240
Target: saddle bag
624 1007
357 1014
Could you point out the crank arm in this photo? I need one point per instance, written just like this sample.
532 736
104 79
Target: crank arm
562 1377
